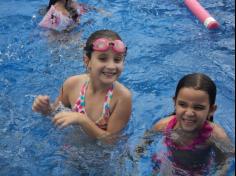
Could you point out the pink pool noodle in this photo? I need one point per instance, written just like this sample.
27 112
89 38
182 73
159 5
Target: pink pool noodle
201 14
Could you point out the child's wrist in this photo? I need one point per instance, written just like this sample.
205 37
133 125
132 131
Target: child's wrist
80 119
50 110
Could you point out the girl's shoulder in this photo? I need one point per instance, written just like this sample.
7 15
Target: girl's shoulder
121 91
221 140
218 132
161 125
75 80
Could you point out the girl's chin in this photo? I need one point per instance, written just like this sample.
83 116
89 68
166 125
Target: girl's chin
109 78
187 129
108 81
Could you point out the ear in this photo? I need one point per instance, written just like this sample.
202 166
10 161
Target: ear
212 110
174 101
86 61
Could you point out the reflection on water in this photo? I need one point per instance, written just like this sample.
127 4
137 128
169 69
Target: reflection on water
88 156
85 155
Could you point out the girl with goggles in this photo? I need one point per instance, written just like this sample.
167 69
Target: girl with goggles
103 45
99 104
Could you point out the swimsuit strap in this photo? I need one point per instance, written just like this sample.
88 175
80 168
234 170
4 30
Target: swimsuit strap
106 105
170 126
102 122
80 105
204 134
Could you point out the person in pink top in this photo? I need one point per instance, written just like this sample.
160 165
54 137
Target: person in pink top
62 15
99 104
190 133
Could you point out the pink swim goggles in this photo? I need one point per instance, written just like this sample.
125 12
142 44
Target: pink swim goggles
103 44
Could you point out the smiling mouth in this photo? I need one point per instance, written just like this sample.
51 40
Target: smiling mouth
188 121
109 73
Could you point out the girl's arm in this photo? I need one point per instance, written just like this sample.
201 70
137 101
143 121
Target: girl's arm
121 113
43 105
118 119
161 124
116 123
221 140
147 139
223 148
64 94
85 8
64 119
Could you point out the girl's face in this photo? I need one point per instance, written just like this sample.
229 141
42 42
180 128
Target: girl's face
192 109
105 66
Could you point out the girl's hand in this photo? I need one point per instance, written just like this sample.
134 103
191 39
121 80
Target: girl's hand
64 119
42 105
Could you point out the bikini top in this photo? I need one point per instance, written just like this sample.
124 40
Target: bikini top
102 122
55 19
204 134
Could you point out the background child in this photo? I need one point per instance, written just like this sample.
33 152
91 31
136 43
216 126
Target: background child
65 14
62 14
189 133
101 105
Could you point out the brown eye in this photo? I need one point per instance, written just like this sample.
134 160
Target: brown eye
182 104
199 107
102 58
118 59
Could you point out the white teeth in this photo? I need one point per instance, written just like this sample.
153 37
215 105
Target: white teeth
188 120
108 73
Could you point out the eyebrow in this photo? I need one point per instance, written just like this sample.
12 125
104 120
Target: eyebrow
181 101
200 105
103 54
195 104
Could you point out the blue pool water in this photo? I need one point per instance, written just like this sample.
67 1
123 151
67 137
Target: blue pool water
165 41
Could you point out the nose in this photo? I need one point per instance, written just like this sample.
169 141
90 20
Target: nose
111 64
189 112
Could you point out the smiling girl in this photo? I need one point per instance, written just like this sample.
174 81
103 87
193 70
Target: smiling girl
190 134
100 104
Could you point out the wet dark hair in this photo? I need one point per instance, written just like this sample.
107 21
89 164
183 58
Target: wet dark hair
198 81
96 35
73 12
51 2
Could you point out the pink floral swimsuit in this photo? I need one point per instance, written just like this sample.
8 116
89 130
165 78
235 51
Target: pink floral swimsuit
102 122
204 135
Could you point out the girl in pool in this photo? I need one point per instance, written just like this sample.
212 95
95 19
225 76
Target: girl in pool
190 133
100 104
62 14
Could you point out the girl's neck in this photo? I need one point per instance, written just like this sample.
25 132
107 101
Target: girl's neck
187 135
96 87
61 3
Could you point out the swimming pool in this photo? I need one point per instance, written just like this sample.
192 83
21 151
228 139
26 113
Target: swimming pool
165 42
